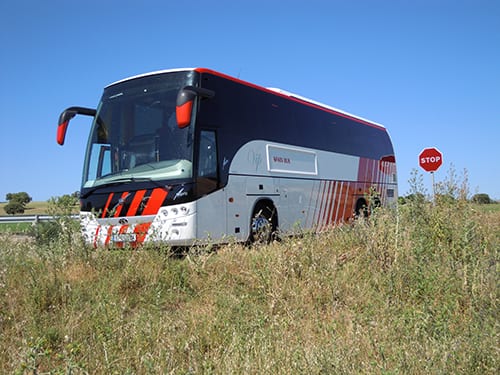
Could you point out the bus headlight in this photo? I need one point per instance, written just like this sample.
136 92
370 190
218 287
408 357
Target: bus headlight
167 212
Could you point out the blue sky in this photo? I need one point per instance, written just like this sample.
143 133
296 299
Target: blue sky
428 70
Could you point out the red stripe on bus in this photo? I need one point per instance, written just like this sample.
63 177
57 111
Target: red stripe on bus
337 202
155 201
141 230
324 204
362 169
332 203
123 229
345 195
108 235
107 205
367 175
319 202
328 200
350 202
134 206
96 237
120 205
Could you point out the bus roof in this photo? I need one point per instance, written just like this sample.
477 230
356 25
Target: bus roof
273 90
319 104
151 74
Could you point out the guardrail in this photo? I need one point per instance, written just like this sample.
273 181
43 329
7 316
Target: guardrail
30 219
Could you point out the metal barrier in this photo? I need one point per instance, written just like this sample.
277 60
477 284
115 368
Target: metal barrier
30 219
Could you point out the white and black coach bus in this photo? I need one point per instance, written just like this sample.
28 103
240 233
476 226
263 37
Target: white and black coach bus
189 155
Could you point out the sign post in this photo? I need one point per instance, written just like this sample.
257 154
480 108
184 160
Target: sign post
430 159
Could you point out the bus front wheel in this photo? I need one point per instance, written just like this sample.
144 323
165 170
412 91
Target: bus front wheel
263 223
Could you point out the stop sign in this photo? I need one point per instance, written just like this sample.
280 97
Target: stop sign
430 159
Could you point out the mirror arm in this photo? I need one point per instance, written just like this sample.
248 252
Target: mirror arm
66 116
201 92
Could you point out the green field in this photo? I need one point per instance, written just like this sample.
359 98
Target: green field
494 207
15 228
413 291
33 208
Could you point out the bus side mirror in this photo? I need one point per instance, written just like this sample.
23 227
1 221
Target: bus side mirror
66 116
184 104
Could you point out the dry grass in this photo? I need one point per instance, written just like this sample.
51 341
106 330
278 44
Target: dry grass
410 292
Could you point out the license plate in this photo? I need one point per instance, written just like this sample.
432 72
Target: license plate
124 237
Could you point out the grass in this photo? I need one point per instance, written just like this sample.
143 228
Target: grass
493 207
412 291
35 208
32 208
16 228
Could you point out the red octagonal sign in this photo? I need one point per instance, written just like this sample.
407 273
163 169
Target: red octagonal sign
430 159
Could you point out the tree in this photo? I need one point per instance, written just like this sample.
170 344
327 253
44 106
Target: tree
481 198
21 197
14 207
17 202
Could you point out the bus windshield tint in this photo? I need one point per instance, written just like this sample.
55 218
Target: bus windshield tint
135 133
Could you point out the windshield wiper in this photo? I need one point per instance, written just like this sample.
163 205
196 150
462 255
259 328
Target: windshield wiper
102 186
122 181
148 179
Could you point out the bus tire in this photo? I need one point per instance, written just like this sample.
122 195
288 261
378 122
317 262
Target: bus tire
263 223
361 210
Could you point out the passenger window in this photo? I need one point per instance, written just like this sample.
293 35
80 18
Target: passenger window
207 164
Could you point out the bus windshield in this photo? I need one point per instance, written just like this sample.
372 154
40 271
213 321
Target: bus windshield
135 133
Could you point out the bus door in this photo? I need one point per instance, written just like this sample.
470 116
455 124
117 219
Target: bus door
211 206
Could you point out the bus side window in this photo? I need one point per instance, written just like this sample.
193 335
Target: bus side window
207 163
101 161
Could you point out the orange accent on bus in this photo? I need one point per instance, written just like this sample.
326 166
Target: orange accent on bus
108 236
120 205
342 202
61 132
350 203
134 206
183 114
321 203
107 205
96 237
331 206
155 201
141 230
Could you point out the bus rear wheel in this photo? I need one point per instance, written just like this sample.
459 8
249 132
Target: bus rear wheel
263 223
361 210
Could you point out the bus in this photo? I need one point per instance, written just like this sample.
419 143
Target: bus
187 156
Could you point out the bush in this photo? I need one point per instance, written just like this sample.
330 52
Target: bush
17 203
14 207
46 232
63 227
481 198
21 197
